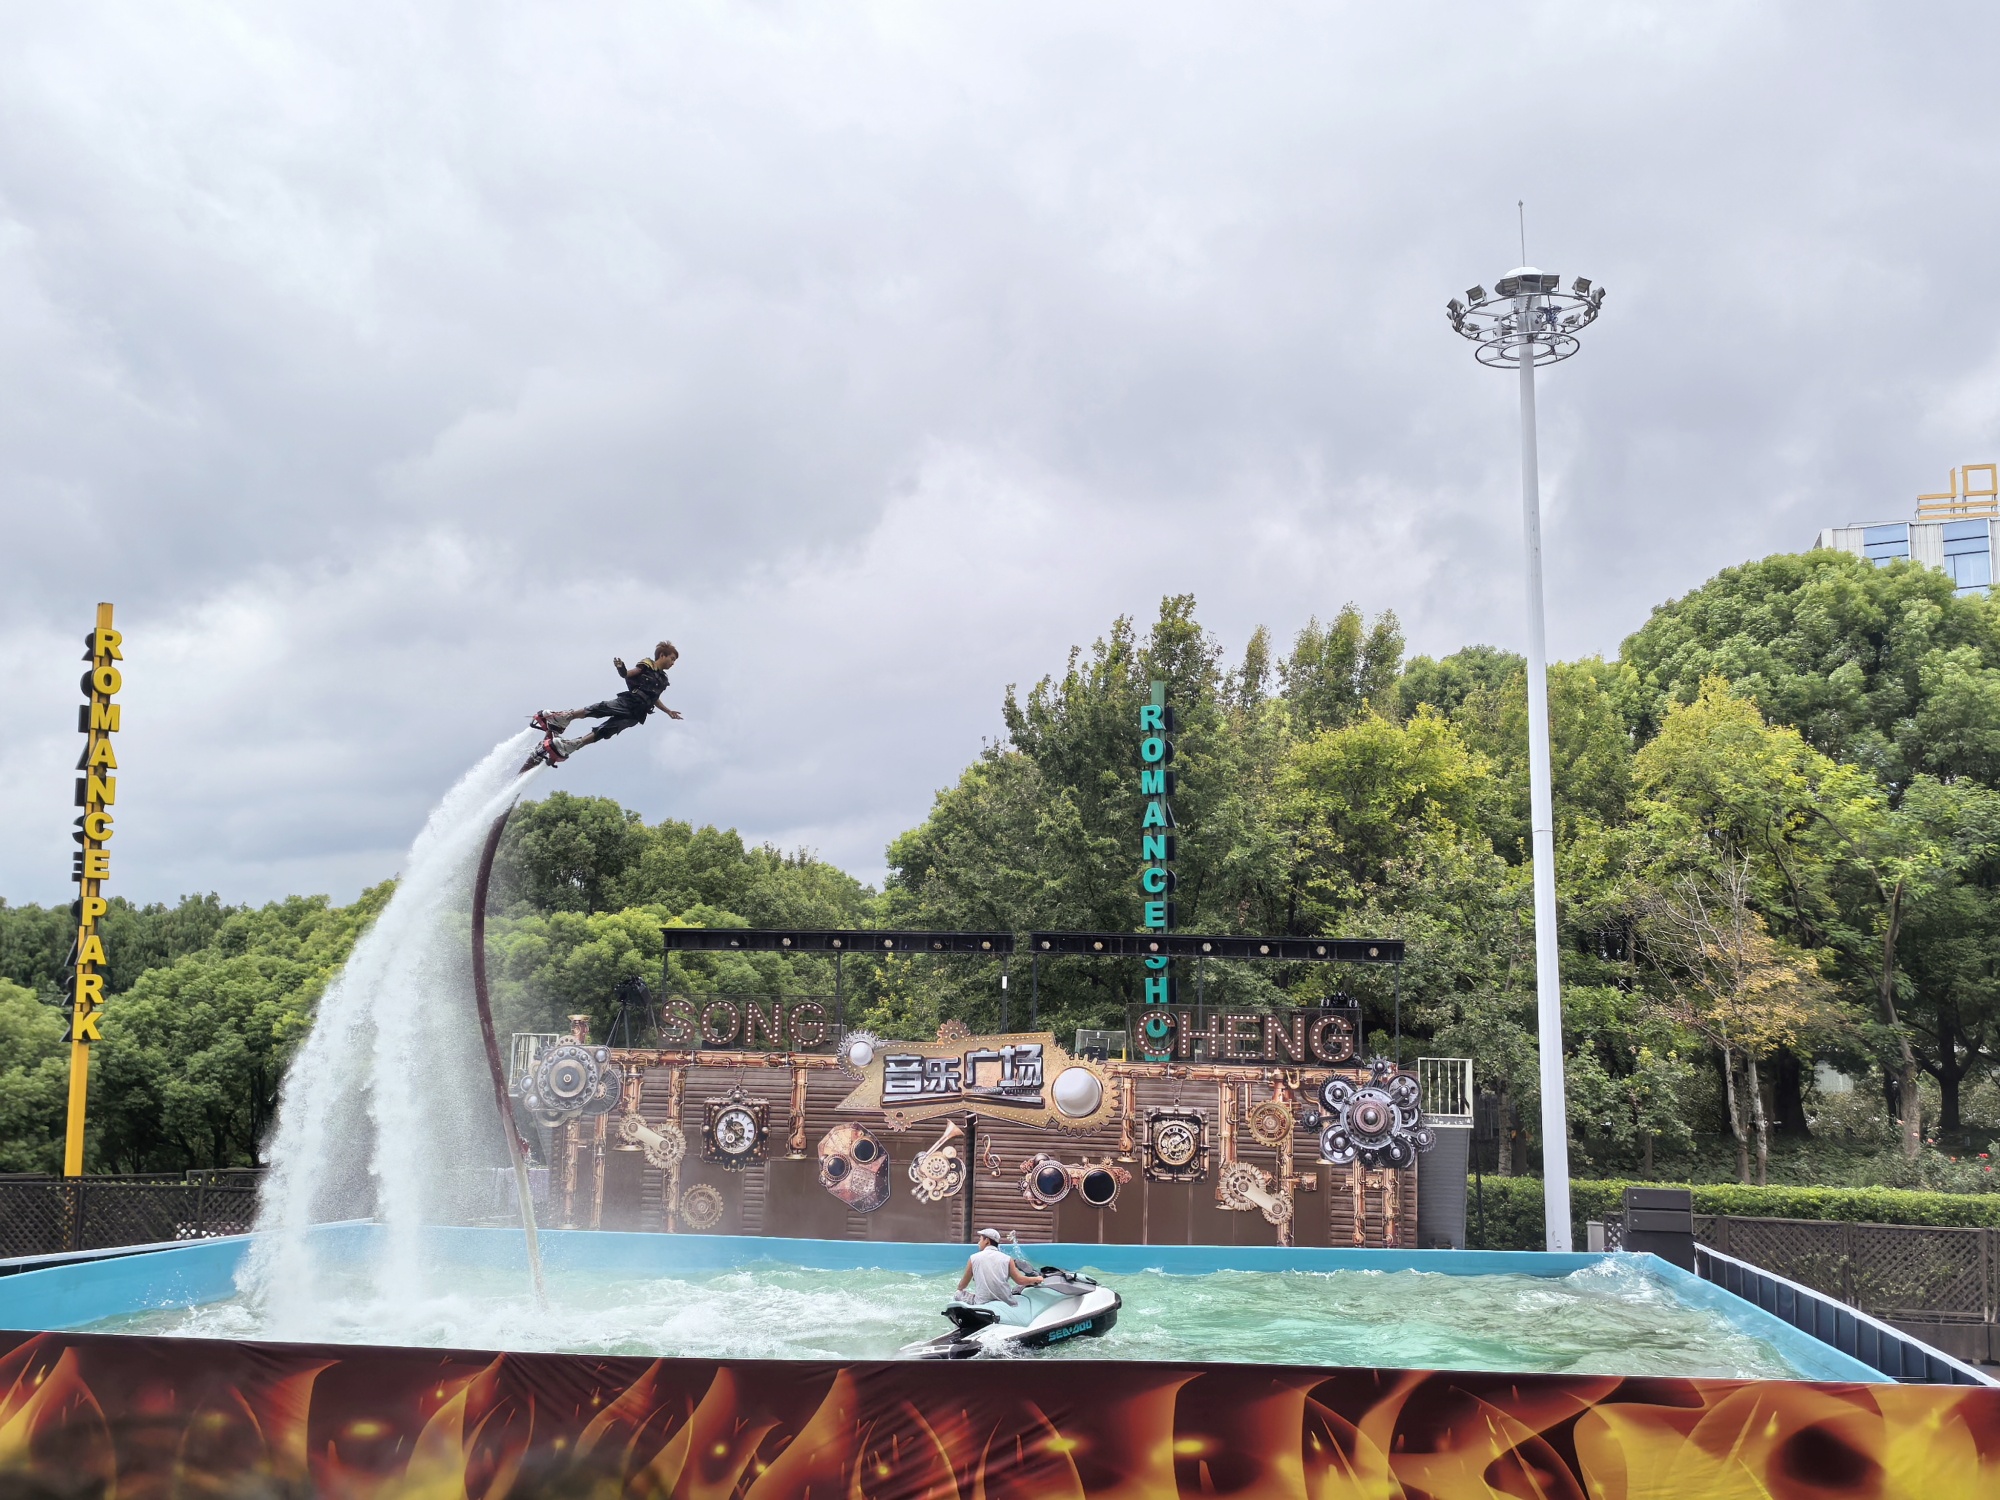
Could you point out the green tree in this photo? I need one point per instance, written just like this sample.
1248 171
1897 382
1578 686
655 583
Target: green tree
1590 748
34 1082
1354 800
1951 942
1341 671
193 1053
1448 681
1629 1082
1881 667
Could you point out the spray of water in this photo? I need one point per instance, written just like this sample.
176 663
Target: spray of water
387 1104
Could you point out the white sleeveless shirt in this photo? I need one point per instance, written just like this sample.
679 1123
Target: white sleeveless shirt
990 1279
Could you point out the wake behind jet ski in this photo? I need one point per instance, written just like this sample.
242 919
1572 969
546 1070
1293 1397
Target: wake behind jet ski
1005 1303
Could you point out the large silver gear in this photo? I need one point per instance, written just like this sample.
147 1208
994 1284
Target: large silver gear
1381 1121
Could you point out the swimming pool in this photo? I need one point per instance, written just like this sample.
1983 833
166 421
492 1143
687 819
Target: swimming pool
725 1298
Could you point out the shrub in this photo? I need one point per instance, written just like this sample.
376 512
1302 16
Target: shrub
1513 1207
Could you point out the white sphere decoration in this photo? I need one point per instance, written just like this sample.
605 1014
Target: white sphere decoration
1078 1092
860 1052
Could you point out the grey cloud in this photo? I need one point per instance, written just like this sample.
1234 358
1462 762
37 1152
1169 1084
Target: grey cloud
397 365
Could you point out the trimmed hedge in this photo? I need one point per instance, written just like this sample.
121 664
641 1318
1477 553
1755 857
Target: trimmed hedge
1514 1207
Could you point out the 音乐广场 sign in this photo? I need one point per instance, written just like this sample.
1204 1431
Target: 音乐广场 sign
1020 1076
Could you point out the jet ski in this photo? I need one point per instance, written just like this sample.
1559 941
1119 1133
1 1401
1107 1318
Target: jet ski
1067 1305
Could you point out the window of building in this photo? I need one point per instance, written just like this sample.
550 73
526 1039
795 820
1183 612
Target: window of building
1886 543
1968 555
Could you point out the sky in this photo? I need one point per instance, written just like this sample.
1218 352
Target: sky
391 367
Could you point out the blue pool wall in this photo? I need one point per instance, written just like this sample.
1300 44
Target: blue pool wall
76 1295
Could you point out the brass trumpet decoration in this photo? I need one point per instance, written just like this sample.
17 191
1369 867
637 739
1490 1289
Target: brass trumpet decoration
938 1172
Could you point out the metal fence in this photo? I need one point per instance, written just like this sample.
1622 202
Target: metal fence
1903 1272
1444 1089
1891 1350
50 1215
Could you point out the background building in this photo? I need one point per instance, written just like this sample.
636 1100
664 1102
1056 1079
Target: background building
1953 532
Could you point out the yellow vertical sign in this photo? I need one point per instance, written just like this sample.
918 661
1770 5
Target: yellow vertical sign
96 792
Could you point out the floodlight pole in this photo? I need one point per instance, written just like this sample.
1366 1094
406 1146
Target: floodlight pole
1530 320
1542 829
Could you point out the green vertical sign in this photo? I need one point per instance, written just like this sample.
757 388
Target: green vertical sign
1156 856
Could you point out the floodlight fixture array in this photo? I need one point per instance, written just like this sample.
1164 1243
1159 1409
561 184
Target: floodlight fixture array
1527 314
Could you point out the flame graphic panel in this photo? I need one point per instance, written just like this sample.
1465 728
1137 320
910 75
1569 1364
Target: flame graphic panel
84 1413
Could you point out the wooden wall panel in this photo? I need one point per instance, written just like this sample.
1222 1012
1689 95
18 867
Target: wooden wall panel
765 1200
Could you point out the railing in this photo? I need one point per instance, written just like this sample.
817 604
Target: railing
1847 1329
1096 1041
1444 1089
1905 1272
50 1215
526 1047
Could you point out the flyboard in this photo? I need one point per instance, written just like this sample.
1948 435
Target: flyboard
1067 1305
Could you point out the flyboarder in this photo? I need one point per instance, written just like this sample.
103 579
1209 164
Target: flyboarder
643 686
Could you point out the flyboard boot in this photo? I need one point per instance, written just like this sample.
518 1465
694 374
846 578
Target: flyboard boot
551 752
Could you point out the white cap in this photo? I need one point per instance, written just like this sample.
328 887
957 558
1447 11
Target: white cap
991 1234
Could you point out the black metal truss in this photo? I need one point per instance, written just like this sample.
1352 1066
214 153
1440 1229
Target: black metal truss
1191 945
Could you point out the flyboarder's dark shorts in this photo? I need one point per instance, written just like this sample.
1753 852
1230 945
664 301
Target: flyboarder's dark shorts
617 715
633 706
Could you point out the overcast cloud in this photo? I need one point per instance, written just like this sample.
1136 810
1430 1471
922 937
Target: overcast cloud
393 366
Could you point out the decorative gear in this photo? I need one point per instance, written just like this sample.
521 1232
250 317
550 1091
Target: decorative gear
1242 1186
569 1081
1235 1183
1270 1122
701 1206
857 1050
610 1088
664 1147
953 1030
1381 1121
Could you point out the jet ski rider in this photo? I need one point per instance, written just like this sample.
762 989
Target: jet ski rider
992 1274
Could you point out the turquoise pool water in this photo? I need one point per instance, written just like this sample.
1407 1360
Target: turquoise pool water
1613 1317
